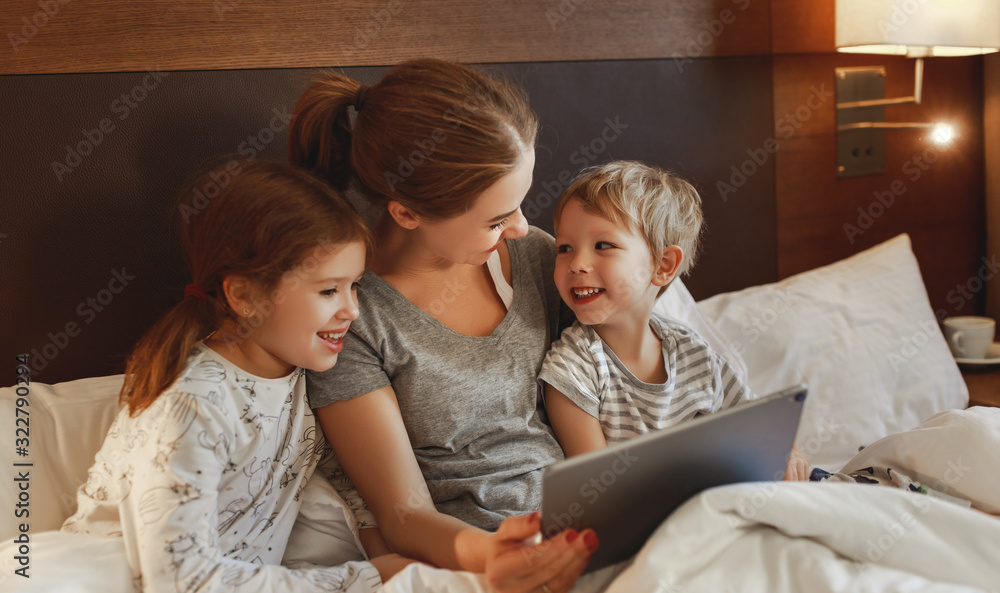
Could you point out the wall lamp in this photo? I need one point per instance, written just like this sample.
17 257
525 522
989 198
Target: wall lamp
913 28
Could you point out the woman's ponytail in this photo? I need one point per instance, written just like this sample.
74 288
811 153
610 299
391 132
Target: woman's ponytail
319 138
431 135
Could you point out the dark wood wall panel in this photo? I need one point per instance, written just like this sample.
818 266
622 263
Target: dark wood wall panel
942 204
91 245
123 35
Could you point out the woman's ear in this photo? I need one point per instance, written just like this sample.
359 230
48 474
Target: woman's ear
239 292
668 265
402 215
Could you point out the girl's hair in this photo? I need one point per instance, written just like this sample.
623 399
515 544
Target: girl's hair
432 135
660 207
257 220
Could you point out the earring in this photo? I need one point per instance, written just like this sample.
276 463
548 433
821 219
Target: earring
246 311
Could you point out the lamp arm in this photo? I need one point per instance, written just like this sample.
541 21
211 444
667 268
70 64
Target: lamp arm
918 91
885 125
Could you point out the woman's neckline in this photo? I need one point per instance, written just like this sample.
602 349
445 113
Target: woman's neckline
497 331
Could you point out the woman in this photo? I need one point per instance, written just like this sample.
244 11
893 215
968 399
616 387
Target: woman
433 409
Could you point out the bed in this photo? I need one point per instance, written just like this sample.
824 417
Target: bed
884 390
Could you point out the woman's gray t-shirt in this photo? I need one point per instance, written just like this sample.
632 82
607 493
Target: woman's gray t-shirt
470 404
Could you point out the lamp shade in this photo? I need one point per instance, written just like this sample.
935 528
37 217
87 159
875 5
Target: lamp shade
918 28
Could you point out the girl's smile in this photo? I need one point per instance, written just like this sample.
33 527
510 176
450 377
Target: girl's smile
334 339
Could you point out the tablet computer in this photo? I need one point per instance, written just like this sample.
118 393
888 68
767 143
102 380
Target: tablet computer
625 491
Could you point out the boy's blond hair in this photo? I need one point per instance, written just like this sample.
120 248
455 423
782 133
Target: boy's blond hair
659 207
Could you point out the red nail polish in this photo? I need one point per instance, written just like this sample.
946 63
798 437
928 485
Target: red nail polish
591 540
571 535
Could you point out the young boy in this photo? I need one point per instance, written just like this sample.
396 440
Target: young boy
624 231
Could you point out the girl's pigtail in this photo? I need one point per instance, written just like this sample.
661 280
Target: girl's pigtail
159 356
319 138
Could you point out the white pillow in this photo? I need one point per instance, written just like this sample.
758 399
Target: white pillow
861 334
677 303
67 422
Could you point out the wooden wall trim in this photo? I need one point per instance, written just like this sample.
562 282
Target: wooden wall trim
991 133
59 36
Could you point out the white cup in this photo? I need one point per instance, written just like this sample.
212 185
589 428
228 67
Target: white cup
969 337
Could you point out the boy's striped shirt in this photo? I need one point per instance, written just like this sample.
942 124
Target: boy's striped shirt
587 371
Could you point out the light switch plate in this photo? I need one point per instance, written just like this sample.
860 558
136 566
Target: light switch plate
862 151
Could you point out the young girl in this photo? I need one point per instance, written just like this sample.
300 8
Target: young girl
201 471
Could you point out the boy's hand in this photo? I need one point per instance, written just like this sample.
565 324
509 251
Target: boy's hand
798 466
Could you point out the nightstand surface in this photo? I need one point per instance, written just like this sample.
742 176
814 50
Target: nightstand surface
984 385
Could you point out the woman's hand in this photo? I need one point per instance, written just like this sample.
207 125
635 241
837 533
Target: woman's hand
517 564
798 466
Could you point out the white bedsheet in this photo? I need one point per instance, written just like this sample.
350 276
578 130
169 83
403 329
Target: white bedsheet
768 537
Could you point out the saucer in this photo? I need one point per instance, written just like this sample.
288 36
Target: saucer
992 357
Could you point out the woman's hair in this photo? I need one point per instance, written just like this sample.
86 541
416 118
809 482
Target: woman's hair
432 135
661 208
257 220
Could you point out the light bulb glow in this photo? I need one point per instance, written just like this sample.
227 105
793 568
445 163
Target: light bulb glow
943 134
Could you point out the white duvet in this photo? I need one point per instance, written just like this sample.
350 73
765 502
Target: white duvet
798 537
825 537
795 537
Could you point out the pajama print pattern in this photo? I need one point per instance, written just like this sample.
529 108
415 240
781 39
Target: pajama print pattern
204 485
884 476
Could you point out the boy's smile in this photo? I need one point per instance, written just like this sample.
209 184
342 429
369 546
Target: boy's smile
584 295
